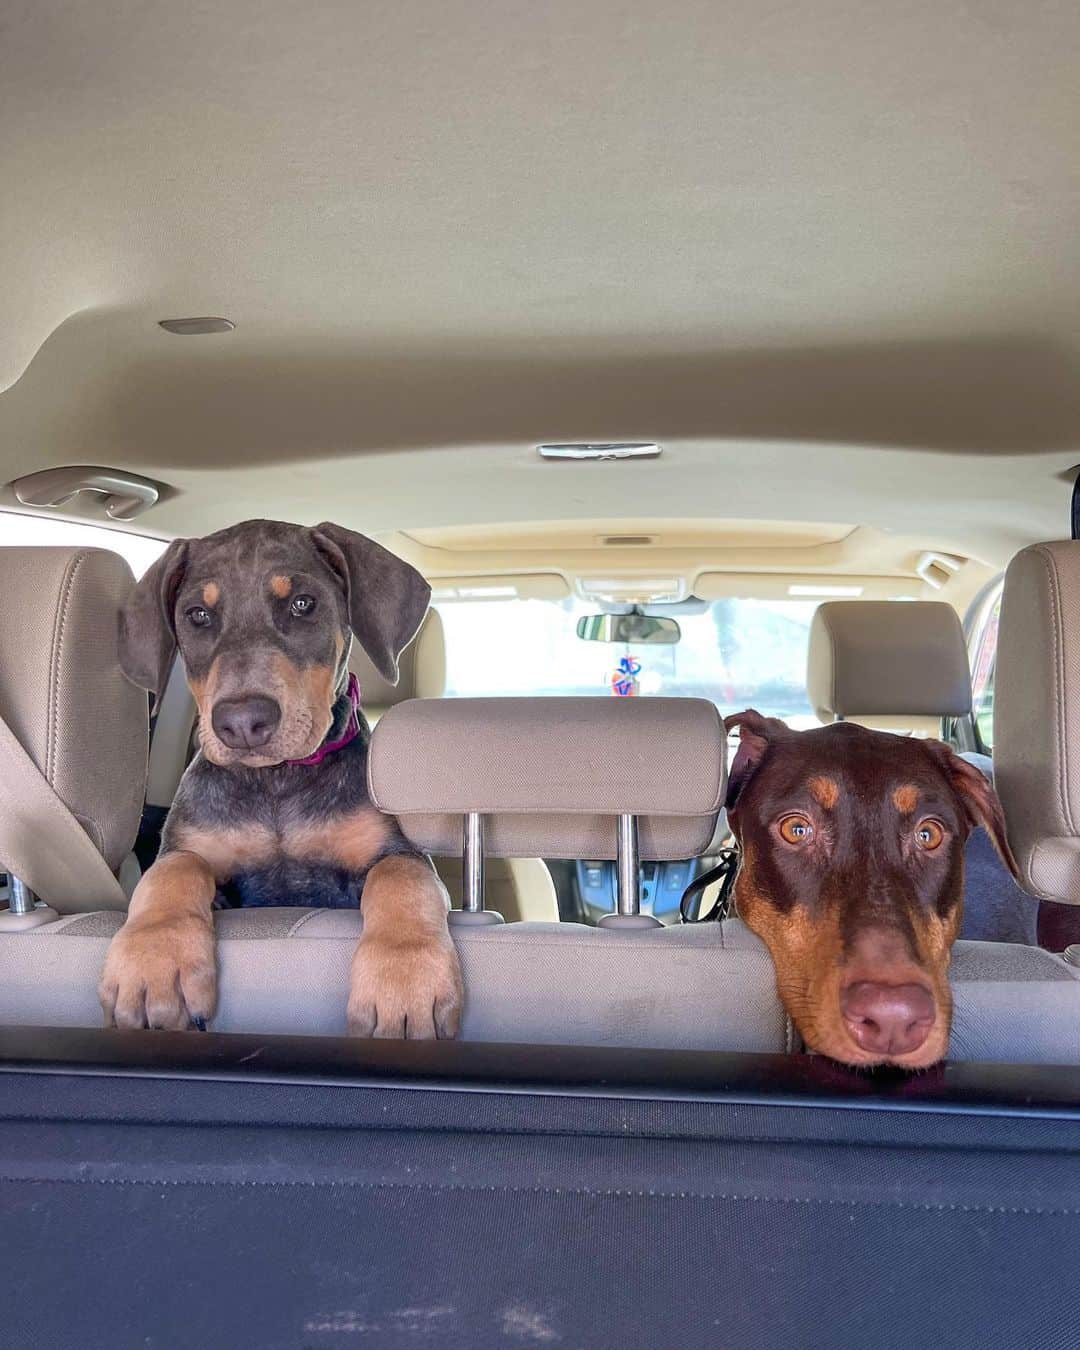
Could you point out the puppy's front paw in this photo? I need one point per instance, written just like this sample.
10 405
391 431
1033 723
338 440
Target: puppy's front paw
405 988
160 973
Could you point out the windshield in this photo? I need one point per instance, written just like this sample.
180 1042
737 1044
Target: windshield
739 653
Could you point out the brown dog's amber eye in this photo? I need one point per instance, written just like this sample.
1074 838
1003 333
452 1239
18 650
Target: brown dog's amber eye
796 830
198 616
929 835
302 605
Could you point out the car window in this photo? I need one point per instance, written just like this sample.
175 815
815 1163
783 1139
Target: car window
983 650
738 652
140 550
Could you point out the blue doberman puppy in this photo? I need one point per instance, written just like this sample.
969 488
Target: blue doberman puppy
274 808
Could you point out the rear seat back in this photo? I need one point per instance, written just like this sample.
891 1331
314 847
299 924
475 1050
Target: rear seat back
62 693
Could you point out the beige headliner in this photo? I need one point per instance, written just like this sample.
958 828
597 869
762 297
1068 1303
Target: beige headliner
827 254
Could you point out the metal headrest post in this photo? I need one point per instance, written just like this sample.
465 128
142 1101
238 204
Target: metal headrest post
628 881
472 911
24 909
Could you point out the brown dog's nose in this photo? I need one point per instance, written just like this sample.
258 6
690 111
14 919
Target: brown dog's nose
245 723
888 1019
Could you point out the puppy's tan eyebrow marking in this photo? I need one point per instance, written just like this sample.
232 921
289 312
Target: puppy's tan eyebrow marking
211 594
825 791
906 798
281 586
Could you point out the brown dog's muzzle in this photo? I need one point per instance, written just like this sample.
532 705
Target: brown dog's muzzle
887 1019
893 1001
879 998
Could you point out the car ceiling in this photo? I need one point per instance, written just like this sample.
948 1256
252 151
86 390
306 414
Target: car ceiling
826 254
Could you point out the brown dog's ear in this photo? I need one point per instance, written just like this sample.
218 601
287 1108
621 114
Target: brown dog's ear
147 632
387 599
978 799
755 735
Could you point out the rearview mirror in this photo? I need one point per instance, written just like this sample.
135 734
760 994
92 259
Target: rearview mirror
627 628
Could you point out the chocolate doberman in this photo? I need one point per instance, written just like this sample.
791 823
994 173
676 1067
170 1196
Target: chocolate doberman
274 808
852 872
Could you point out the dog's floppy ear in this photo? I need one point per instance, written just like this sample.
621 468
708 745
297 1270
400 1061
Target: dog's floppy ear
387 599
977 798
755 735
147 632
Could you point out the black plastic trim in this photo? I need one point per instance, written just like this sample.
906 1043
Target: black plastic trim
572 1071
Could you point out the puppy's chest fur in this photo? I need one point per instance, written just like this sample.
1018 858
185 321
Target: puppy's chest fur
289 835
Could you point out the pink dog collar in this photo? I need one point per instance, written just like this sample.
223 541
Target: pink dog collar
352 727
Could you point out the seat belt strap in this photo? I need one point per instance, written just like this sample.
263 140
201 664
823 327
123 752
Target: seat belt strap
41 841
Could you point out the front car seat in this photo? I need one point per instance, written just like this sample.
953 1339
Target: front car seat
903 665
65 699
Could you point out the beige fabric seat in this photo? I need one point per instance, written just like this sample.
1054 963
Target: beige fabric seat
1037 717
702 987
892 665
63 696
286 971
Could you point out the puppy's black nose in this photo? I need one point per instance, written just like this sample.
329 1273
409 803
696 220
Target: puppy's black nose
245 723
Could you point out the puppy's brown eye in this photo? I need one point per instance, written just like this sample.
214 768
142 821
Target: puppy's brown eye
929 835
198 616
796 830
302 605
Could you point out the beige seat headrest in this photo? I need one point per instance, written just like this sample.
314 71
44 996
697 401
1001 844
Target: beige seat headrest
422 667
550 775
62 692
1037 717
887 658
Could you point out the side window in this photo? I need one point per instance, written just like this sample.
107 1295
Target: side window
982 648
140 550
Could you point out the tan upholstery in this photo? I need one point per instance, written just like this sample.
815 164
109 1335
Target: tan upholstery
551 774
62 692
287 972
1037 717
422 667
700 987
876 659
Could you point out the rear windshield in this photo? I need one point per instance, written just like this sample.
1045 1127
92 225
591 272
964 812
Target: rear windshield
737 652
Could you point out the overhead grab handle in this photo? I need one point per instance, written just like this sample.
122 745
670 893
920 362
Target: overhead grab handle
126 495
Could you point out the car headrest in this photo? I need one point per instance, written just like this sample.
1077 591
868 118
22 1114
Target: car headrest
874 659
62 692
1037 717
550 775
422 667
